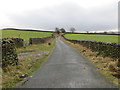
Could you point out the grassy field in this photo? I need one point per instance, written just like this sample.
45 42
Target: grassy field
105 38
23 34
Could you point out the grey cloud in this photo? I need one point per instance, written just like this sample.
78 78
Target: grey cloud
69 15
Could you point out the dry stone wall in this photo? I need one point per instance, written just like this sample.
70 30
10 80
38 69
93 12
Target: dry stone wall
8 48
103 48
39 40
9 55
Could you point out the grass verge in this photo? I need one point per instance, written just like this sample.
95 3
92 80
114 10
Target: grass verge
11 75
105 65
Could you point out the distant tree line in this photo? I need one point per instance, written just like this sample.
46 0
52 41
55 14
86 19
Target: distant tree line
62 30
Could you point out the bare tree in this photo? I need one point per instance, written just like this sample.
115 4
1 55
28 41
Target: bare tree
57 30
87 31
62 30
72 30
105 32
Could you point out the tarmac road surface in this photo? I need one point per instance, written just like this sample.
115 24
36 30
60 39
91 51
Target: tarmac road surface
66 68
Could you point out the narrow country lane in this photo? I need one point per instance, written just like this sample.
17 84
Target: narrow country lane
66 68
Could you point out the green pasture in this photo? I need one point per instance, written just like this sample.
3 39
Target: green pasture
24 34
95 37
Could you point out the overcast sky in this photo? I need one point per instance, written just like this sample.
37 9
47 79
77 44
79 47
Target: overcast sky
84 15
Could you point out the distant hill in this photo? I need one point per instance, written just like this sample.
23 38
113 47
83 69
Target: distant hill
107 32
38 30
